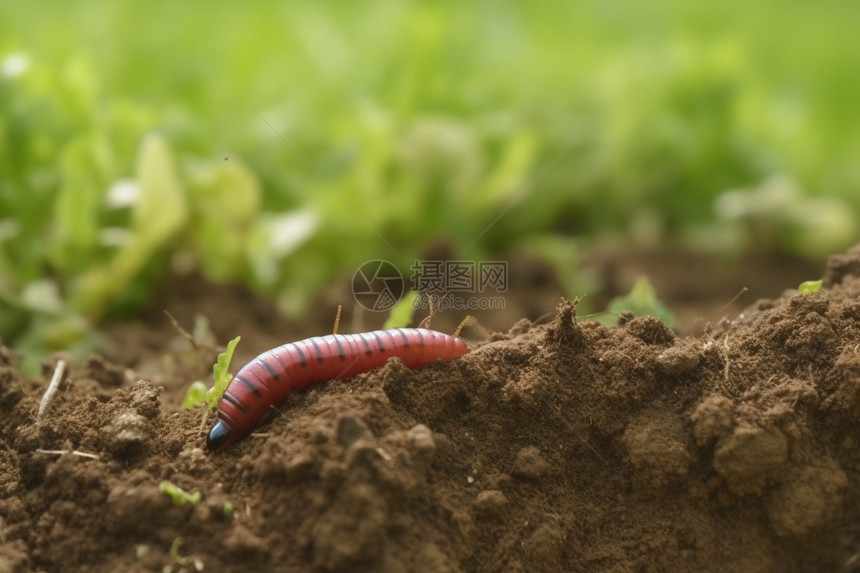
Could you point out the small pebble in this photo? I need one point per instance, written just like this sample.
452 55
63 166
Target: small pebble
350 429
490 502
422 447
530 464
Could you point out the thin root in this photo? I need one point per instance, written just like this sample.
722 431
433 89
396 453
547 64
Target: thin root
185 334
64 452
481 329
734 298
434 310
52 387
727 363
461 325
383 454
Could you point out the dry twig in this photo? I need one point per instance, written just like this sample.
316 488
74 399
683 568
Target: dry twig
52 387
63 452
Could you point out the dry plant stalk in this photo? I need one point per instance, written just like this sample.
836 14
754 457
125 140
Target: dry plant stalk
52 387
63 452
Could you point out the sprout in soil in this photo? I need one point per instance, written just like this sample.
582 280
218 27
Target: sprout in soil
401 313
198 394
642 301
178 495
809 287
174 552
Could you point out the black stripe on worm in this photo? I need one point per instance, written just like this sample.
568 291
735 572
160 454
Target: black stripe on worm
252 387
228 397
368 350
303 360
403 335
318 350
378 341
272 372
280 360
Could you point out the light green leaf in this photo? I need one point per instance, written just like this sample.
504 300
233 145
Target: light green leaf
194 396
401 313
809 287
221 374
178 495
159 213
642 301
162 207
226 200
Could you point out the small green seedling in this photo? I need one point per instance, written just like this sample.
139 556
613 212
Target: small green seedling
642 301
228 510
221 374
198 394
178 495
401 313
174 552
195 395
809 287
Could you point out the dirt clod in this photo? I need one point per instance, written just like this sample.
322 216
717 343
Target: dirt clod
530 464
679 360
750 457
808 497
713 418
561 445
490 503
658 448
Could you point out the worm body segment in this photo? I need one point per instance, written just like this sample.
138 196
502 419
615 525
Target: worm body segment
275 374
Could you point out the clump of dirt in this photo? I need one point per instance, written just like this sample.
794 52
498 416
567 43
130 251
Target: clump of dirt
567 446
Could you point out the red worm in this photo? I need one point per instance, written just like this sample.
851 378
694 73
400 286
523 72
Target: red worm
276 373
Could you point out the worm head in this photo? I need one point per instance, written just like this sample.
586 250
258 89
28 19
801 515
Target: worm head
219 436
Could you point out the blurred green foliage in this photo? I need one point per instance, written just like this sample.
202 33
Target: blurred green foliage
641 301
810 287
178 495
280 143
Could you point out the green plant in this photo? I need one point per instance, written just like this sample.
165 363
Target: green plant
221 375
121 166
809 287
198 394
401 313
195 395
178 495
642 301
174 553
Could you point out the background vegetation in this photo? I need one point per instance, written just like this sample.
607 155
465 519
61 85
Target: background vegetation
280 143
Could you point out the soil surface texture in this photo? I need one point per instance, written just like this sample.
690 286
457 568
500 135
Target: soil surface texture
559 446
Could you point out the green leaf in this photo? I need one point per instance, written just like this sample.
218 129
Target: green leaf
160 212
642 301
76 209
174 553
162 208
809 287
401 313
195 395
226 199
221 374
178 495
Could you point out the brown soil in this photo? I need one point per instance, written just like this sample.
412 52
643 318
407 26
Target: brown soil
565 446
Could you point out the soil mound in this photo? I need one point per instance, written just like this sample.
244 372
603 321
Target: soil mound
566 446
